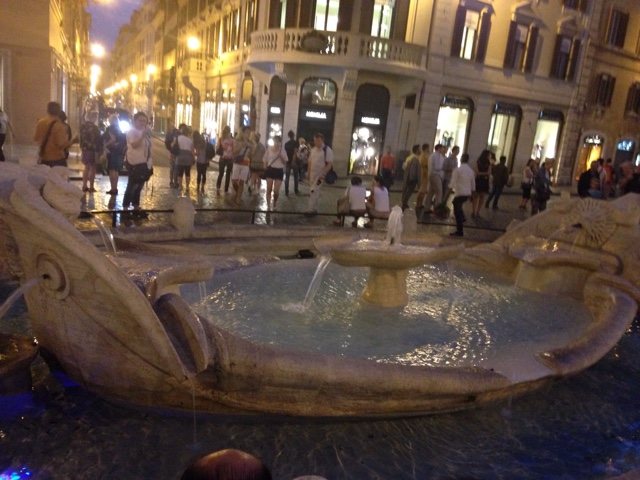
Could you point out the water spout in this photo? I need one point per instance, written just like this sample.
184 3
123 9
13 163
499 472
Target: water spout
8 303
107 237
316 281
394 226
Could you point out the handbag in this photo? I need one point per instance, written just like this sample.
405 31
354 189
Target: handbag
344 205
331 177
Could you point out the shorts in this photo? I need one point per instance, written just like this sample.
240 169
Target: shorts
275 173
114 161
240 172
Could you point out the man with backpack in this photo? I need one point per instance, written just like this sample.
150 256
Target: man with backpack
115 142
172 146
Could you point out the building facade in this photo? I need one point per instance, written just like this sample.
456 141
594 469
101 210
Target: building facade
545 79
43 57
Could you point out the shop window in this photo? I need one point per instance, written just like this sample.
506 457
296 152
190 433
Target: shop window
326 17
503 132
470 34
633 100
454 118
318 91
521 47
547 134
565 58
617 28
579 5
603 89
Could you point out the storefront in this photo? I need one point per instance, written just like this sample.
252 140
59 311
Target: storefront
209 115
591 150
548 130
317 109
369 125
454 119
503 132
624 153
275 109
247 104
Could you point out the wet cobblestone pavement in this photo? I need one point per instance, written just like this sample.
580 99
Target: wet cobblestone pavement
158 198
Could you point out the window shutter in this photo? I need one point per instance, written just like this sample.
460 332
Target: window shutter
610 85
554 72
573 61
511 46
366 16
530 56
345 13
275 8
306 17
401 18
621 31
483 37
458 30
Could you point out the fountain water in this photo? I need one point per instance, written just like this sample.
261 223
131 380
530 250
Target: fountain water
107 237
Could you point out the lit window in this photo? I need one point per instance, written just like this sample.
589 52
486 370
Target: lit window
327 15
382 18
470 34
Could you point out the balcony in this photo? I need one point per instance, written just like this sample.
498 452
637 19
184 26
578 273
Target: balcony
337 49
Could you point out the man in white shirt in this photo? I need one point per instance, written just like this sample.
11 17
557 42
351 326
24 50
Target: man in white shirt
436 175
320 163
463 184
450 164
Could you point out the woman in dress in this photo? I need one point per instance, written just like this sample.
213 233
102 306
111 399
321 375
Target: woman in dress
256 166
378 201
186 158
200 147
91 146
483 167
225 164
527 181
274 160
115 144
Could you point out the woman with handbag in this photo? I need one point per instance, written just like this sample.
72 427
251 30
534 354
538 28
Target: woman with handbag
527 182
138 158
274 161
354 202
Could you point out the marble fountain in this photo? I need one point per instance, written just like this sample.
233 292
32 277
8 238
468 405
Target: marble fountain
117 324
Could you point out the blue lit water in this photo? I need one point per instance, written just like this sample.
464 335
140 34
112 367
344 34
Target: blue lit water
587 426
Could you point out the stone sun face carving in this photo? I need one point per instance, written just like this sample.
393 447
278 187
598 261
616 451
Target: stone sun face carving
593 221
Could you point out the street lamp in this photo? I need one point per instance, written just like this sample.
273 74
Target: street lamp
151 71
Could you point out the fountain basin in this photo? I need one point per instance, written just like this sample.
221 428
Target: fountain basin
16 354
388 265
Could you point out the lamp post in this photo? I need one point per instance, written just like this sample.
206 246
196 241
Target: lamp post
151 71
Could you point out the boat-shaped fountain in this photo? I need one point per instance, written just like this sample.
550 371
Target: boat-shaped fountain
117 324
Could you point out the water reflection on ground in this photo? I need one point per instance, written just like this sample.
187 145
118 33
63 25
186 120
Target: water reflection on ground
587 426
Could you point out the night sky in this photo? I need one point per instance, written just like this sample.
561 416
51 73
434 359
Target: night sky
107 16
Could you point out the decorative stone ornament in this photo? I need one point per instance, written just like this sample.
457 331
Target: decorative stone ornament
314 42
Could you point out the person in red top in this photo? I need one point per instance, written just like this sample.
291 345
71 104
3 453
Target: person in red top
388 167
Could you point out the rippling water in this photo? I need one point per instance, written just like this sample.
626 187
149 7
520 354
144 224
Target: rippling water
587 426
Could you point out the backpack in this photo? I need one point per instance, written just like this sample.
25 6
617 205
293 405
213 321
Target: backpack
210 152
331 176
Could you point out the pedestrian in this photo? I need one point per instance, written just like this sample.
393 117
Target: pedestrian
91 147
542 187
169 143
499 180
482 170
185 158
450 164
291 147
320 163
411 176
463 184
303 157
424 175
274 161
378 205
436 178
388 168
527 181
63 119
138 157
227 464
608 169
242 148
629 180
202 162
225 163
52 136
256 167
584 181
5 126
357 196
115 144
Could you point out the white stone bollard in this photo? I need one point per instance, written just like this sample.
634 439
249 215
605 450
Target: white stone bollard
183 216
